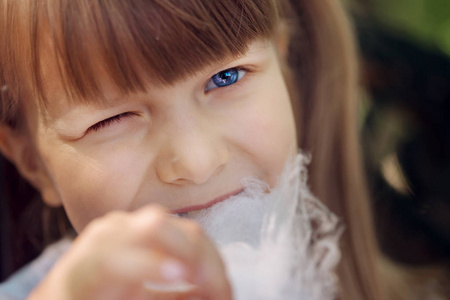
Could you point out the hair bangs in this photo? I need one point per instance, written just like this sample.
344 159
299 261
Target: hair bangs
134 43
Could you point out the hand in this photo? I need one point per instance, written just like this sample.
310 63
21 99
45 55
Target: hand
115 255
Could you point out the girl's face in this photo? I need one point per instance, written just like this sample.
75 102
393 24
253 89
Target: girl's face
184 146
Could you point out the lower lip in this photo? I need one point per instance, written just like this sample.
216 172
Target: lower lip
207 205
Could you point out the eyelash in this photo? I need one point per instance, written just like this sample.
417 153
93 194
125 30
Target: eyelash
107 122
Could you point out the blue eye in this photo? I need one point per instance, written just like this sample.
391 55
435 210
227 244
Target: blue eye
224 78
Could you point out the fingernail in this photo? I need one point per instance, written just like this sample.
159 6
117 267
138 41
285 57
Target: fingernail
172 270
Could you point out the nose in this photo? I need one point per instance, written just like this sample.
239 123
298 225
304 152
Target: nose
192 154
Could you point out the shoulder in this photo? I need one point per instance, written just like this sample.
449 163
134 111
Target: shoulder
21 283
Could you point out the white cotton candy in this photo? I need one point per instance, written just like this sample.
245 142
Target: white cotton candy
281 244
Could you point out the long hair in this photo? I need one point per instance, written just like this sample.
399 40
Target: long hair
327 117
163 41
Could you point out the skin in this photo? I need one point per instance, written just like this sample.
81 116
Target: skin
180 147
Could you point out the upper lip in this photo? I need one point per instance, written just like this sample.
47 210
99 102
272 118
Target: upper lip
207 204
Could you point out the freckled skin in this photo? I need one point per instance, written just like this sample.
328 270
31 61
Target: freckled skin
182 146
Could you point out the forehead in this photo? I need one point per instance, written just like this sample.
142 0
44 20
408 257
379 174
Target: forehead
82 46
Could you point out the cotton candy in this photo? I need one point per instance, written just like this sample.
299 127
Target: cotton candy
276 244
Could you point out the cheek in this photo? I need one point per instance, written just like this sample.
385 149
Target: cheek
265 130
93 186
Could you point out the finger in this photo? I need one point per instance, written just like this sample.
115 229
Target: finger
202 255
147 265
173 236
186 241
164 295
213 277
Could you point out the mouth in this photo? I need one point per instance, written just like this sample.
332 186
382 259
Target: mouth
194 208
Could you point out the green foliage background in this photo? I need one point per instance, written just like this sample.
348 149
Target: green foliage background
423 21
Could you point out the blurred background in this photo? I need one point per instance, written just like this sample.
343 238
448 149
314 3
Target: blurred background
405 127
405 119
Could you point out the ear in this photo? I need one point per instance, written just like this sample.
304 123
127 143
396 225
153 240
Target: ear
19 148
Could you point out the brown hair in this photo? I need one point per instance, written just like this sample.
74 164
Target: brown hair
328 118
163 41
135 42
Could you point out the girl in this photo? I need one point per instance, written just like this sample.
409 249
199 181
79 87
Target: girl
149 107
